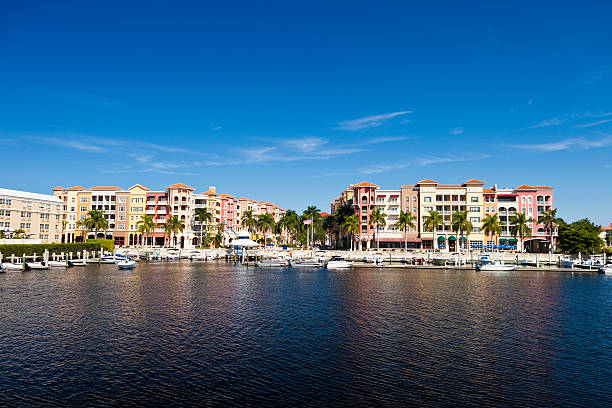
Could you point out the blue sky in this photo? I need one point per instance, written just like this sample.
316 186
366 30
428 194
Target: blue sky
292 102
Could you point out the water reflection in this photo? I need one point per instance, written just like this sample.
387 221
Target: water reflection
233 336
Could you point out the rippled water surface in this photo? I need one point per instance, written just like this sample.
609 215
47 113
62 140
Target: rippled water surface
225 335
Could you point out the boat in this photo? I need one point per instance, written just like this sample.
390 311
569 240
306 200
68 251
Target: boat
77 262
307 263
37 265
128 263
274 262
338 262
568 262
56 264
487 264
113 258
8 266
2 268
606 269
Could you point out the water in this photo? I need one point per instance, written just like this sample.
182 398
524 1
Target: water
217 334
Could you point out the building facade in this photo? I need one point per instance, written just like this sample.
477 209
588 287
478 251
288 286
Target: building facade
39 216
426 196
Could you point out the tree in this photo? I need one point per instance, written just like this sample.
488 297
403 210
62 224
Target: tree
405 222
218 239
580 236
289 222
329 223
19 233
64 224
378 219
460 224
146 226
351 227
96 222
203 216
248 221
549 220
312 213
343 211
520 227
83 225
491 226
265 222
173 226
431 222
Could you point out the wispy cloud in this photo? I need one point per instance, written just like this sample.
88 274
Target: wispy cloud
556 121
83 145
103 102
456 131
422 161
596 75
578 143
369 122
591 124
384 140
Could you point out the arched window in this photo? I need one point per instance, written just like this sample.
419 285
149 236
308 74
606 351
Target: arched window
530 200
502 209
364 199
523 200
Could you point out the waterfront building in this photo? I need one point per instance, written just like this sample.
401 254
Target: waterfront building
40 216
606 234
426 196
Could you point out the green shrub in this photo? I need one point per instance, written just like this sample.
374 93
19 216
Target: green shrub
107 244
39 249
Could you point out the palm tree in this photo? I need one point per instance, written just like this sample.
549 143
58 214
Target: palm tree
95 221
203 216
460 223
404 222
520 227
248 220
491 226
218 239
312 213
351 227
64 224
19 233
549 220
377 218
84 226
431 222
265 222
329 223
146 226
173 226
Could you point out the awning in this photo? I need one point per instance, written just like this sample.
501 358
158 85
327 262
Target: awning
452 238
513 240
441 238
462 239
503 240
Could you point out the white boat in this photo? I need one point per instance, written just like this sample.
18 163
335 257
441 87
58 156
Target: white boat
113 258
568 262
57 264
278 263
127 264
606 269
487 264
77 262
8 266
307 263
338 262
37 265
171 256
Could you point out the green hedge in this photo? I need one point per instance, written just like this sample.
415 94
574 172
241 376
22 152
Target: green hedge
107 244
39 249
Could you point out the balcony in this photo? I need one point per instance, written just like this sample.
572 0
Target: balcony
150 212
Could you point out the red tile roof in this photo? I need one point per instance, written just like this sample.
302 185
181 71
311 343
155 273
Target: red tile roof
224 195
324 214
77 188
408 186
608 228
58 188
526 187
364 184
105 188
474 181
449 185
489 190
427 181
180 185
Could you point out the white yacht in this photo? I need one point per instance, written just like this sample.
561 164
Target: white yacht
487 264
338 262
127 264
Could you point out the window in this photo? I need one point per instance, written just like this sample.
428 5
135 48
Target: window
121 227
428 208
475 209
414 199
83 199
122 218
122 199
73 200
364 208
476 229
1 200
530 200
492 209
438 198
474 199
523 200
474 219
428 199
83 208
121 209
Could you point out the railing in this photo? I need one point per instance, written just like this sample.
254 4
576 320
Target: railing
150 212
